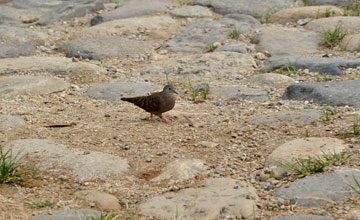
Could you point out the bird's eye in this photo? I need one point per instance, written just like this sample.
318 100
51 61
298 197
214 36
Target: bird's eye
169 88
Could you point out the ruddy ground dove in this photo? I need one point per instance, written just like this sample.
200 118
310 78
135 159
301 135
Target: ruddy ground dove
156 103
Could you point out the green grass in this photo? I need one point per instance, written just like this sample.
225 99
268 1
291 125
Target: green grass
253 217
104 217
356 188
41 204
328 111
168 82
312 165
211 48
235 34
352 130
352 10
118 1
307 132
195 92
11 171
323 79
331 38
182 3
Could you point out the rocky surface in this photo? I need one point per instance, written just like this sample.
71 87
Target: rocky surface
257 84
303 217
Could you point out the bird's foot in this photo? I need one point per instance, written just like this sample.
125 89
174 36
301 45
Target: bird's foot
151 118
166 120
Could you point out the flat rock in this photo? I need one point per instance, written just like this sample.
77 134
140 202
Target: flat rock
180 170
156 27
239 93
294 14
115 91
99 47
16 41
296 117
70 214
34 12
303 217
349 23
208 65
314 64
103 201
57 66
351 42
60 158
332 2
134 8
237 48
303 148
9 121
287 41
31 85
199 36
270 79
256 8
332 93
321 190
191 11
221 196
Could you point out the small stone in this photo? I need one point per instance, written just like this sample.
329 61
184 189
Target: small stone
208 144
279 173
267 186
148 160
260 56
304 21
220 102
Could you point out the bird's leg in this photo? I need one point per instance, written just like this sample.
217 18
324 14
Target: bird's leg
165 119
151 118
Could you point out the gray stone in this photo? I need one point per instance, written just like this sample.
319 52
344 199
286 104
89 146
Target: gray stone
25 12
99 47
295 117
270 79
220 102
287 41
180 170
221 196
58 66
238 48
303 217
332 93
133 8
313 64
191 11
115 91
256 8
331 2
348 23
16 41
320 190
198 37
351 42
8 121
71 214
31 85
60 158
238 93
102 201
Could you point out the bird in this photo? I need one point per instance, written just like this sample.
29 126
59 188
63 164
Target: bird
156 103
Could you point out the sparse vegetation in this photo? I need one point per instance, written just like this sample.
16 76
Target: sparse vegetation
41 204
168 82
323 79
352 9
118 1
196 91
212 47
352 130
254 216
311 165
235 34
184 2
104 217
308 2
328 111
331 38
307 132
355 188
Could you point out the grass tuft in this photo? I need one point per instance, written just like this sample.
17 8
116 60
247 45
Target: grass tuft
104 217
11 171
41 204
235 34
331 38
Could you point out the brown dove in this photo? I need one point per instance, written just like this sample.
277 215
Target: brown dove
156 103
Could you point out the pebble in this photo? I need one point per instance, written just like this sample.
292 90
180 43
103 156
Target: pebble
267 186
220 102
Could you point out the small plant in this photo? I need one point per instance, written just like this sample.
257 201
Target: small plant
184 3
307 132
332 110
11 171
235 34
353 130
352 9
323 79
355 188
41 204
328 13
104 217
287 70
308 2
212 47
118 1
196 91
304 167
331 38
253 217
178 216
168 82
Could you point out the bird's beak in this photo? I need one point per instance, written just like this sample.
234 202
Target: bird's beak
176 92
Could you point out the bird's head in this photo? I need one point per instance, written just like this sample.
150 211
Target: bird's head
169 89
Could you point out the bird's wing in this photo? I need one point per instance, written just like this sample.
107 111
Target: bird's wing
148 103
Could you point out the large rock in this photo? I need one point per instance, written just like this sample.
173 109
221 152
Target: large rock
238 93
303 148
303 217
45 12
287 41
115 91
296 117
16 41
222 196
351 42
157 27
331 2
322 65
191 11
31 85
58 158
9 121
198 37
348 23
320 190
99 47
270 79
294 14
103 201
236 47
333 93
54 65
69 214
180 170
134 8
256 8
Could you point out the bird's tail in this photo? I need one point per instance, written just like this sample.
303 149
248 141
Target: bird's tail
127 99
